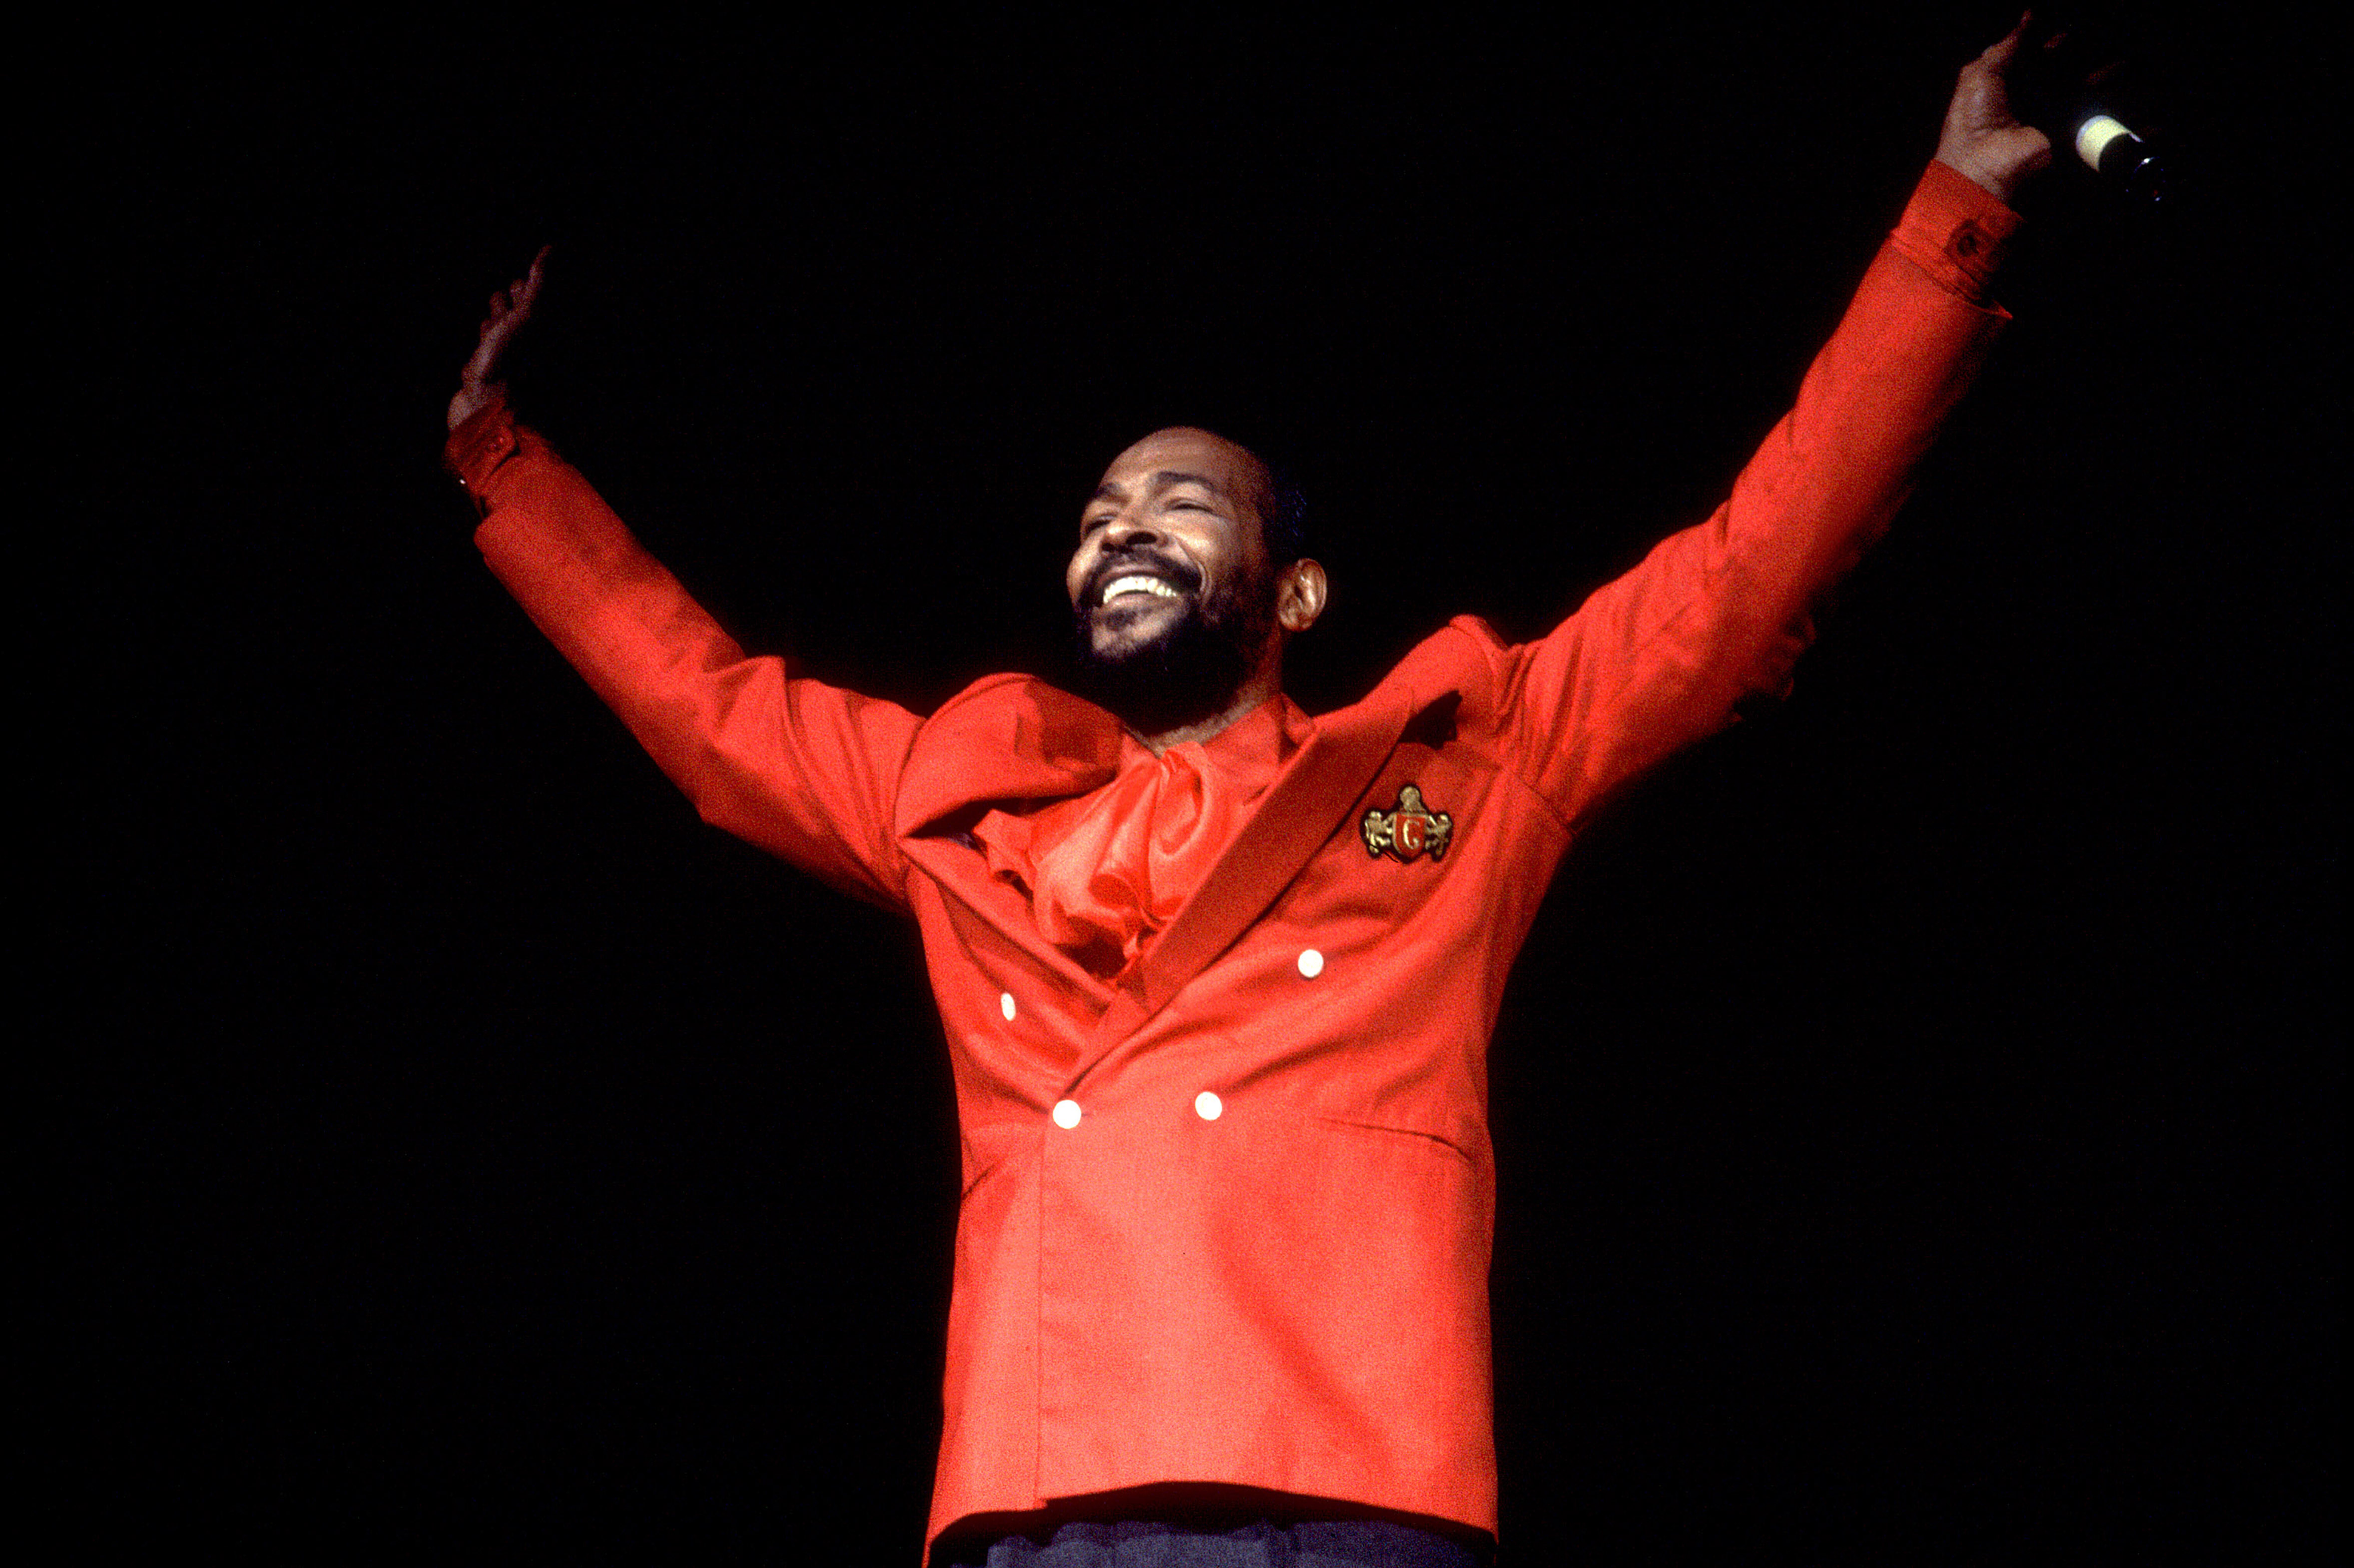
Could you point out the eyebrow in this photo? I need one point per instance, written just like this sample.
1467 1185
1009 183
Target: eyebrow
1162 479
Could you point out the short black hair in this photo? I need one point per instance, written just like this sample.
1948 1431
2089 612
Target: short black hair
1282 515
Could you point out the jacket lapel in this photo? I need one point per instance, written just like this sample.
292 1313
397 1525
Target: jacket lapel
1006 739
1002 741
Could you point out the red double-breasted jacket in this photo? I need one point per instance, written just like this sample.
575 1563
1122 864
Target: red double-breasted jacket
1228 1219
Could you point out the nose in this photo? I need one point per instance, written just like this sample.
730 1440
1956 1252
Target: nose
1128 528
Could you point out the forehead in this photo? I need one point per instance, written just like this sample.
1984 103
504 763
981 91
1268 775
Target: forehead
1229 467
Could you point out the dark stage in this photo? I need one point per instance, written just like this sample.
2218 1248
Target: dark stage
1918 1110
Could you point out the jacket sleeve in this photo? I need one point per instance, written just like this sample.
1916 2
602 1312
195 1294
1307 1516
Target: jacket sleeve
1720 612
805 770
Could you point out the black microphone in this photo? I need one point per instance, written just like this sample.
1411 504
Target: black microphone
2070 90
2124 162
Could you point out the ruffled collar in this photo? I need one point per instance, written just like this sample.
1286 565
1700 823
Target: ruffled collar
1105 870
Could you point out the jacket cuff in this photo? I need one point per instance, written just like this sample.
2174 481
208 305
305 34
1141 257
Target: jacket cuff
486 439
1955 230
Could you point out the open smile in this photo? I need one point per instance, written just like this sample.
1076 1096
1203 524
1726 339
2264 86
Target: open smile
1134 584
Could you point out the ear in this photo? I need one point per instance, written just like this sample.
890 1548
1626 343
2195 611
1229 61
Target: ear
1299 595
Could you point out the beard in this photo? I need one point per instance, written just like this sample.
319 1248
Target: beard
1190 671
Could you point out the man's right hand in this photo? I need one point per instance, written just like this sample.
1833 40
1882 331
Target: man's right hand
510 308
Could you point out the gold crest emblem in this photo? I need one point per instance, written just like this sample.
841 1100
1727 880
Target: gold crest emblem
1407 829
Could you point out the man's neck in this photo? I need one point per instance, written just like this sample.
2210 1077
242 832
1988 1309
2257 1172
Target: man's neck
1255 691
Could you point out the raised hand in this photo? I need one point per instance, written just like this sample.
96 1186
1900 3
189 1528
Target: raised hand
510 308
1984 136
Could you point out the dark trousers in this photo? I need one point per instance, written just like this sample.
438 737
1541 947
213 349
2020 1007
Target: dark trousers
1144 1543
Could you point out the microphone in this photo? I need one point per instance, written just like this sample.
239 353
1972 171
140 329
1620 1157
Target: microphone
2124 162
2070 90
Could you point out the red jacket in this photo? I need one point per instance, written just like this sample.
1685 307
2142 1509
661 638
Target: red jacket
1229 1221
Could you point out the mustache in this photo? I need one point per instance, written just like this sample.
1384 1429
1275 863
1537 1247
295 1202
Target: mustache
1178 574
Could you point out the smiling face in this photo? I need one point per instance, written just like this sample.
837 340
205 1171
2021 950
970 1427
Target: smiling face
1178 610
1173 529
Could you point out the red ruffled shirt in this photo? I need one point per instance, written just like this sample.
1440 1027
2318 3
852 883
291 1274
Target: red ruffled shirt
1106 870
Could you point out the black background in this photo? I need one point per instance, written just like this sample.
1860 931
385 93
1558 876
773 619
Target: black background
1917 1110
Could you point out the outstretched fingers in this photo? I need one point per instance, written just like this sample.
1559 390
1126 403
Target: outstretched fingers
510 306
1998 55
528 290
510 309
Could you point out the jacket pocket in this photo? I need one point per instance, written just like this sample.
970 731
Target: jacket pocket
1408 1134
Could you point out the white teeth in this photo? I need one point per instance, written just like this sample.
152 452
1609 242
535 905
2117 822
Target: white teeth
1119 586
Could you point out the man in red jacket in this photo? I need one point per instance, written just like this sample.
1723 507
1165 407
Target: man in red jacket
1218 976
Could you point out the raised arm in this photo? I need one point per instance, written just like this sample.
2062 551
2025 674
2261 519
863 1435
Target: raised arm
1720 612
804 771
